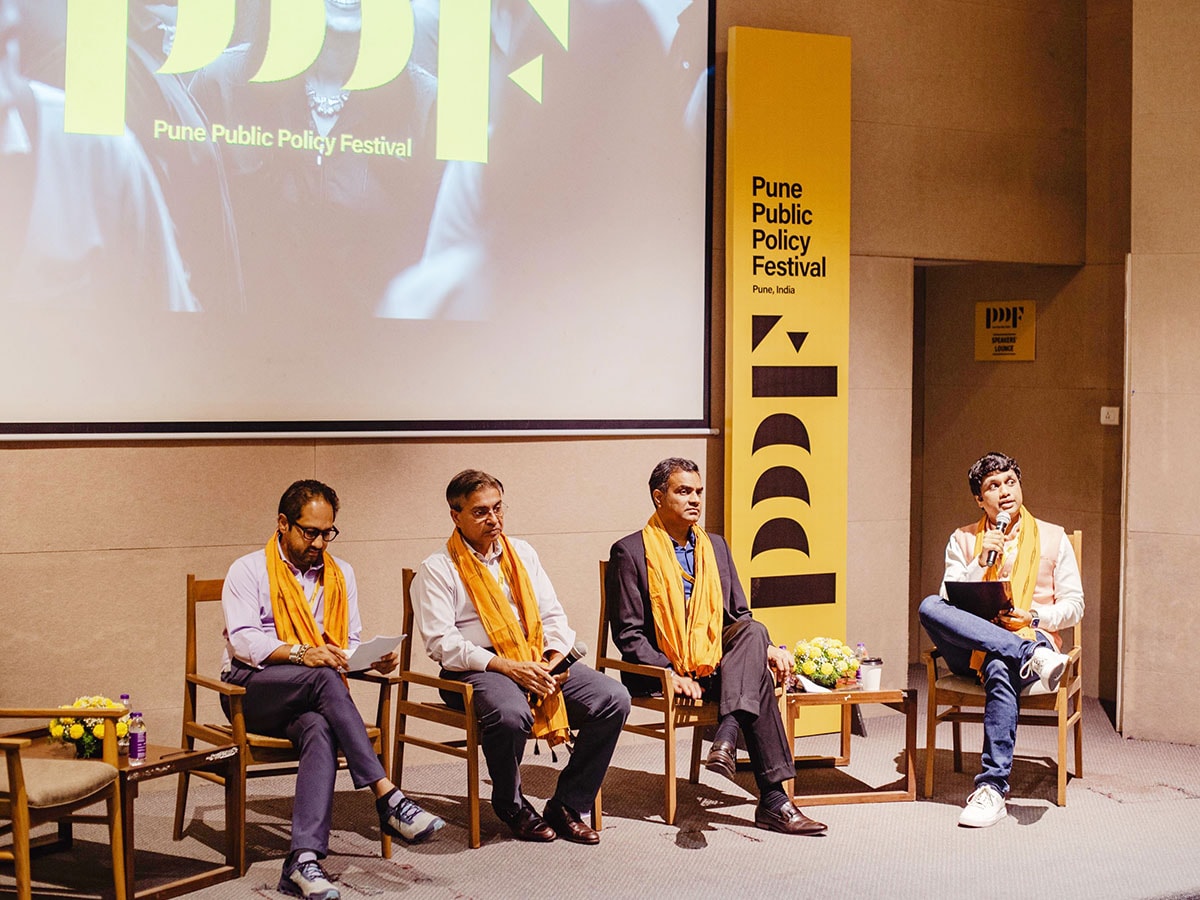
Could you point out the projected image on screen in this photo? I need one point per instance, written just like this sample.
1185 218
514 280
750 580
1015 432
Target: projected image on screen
392 213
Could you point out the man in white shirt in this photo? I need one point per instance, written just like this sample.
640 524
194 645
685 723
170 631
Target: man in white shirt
489 616
1019 646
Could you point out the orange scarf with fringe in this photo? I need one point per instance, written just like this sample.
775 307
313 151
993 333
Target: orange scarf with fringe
688 633
294 619
509 639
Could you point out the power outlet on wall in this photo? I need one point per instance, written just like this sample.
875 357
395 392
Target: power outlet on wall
1110 415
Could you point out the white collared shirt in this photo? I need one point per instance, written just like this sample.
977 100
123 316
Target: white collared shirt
446 619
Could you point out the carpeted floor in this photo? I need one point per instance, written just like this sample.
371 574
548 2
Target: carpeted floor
1130 829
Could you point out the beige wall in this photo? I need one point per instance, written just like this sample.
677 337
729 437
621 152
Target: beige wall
1162 509
968 141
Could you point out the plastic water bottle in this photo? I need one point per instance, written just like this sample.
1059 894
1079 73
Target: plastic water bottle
860 653
123 742
137 739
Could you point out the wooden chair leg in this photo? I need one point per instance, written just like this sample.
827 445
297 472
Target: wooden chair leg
669 770
931 723
115 836
956 727
697 742
20 849
1062 752
597 815
473 831
1079 744
181 795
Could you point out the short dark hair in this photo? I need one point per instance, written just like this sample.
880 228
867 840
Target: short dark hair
467 482
988 464
664 470
303 492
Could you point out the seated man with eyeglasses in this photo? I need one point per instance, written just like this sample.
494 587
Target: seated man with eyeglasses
291 622
489 616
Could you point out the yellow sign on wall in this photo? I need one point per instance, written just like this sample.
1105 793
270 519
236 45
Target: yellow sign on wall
1006 329
788 326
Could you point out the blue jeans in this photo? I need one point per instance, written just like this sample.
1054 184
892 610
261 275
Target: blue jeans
956 634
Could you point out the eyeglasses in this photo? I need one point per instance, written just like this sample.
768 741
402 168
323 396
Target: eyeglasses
311 534
481 513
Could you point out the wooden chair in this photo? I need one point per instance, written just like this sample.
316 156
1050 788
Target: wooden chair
466 747
963 699
261 755
36 791
672 713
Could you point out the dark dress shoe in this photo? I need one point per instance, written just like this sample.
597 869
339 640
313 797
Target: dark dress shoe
567 823
527 825
721 759
787 820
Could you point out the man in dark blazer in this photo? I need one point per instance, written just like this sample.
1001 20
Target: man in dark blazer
740 668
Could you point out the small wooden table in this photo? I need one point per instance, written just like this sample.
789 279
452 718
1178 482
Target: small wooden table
161 762
904 701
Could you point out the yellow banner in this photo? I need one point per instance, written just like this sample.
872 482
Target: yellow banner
788 328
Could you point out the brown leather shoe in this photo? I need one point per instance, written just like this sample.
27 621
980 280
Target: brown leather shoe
567 823
721 759
527 825
787 820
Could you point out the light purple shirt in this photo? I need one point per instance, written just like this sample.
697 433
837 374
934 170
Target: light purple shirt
246 601
447 621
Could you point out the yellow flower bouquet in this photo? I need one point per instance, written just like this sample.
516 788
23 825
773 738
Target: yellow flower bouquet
825 661
84 732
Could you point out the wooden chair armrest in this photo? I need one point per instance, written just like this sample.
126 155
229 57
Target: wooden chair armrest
54 712
372 675
660 672
443 684
14 745
215 684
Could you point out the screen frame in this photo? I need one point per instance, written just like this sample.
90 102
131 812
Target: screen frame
359 428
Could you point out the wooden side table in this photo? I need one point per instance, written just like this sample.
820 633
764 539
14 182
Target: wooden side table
164 761
904 701
161 762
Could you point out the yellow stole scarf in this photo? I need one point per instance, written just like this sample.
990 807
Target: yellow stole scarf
691 640
294 619
503 629
1024 571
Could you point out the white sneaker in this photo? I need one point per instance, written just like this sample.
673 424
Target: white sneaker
306 880
1048 666
984 807
407 820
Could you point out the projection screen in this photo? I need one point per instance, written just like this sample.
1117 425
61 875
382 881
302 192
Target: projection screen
354 215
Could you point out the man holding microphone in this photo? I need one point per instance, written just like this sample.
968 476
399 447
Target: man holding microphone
1020 646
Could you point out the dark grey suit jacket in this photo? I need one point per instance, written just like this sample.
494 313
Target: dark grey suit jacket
630 617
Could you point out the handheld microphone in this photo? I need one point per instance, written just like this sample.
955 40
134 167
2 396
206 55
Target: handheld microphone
1002 521
578 652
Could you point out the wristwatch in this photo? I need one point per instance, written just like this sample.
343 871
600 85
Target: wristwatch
296 657
1036 619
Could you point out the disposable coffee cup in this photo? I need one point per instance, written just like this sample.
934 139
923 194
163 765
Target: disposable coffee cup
871 669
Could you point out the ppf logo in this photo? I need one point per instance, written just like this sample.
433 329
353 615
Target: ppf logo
97 32
1006 330
1003 316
